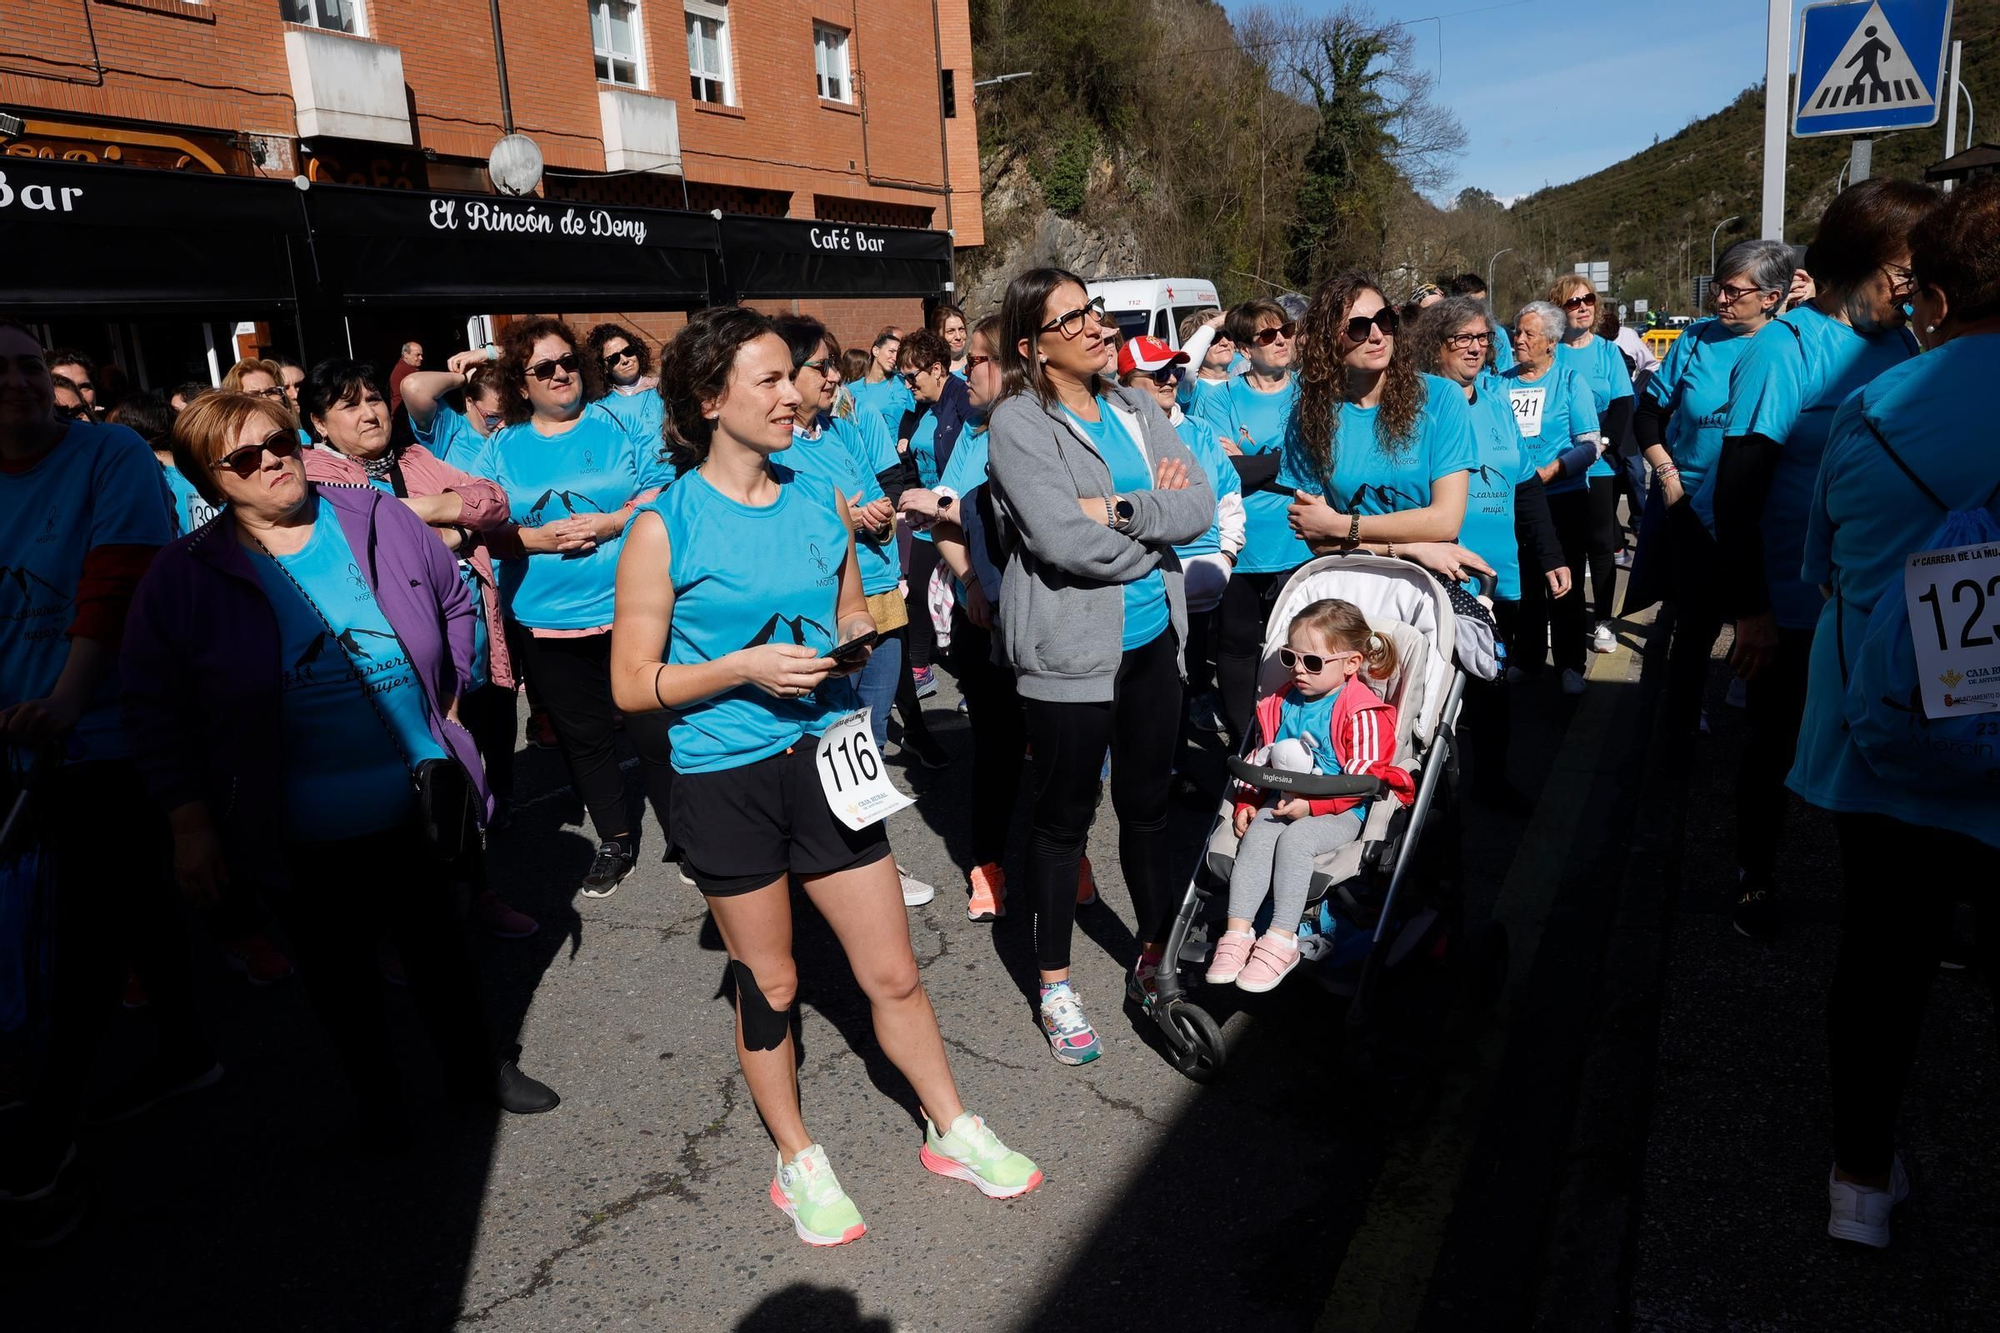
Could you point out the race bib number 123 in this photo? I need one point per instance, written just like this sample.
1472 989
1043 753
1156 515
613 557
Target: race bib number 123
1954 605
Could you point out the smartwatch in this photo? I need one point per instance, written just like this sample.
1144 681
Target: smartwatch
1121 512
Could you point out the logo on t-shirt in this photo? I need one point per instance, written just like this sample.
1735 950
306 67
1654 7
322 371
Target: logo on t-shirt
48 532
571 502
359 582
1385 499
795 626
37 599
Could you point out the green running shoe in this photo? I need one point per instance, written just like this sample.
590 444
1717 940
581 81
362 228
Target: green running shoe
971 1151
808 1192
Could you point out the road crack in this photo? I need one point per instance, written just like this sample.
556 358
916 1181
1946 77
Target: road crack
982 1056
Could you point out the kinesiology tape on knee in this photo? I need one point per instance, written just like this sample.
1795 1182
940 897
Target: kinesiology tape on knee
764 1028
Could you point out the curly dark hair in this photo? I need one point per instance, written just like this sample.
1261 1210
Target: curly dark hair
1956 248
1322 372
517 345
604 333
1424 345
695 368
923 349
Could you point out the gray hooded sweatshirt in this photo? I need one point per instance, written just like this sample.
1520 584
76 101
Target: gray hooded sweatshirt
1062 596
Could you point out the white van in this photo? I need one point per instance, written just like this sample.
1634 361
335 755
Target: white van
1150 304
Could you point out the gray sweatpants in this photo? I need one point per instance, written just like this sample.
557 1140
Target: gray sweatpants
1276 857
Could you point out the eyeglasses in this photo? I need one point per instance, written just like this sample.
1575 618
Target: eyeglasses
1458 342
973 363
72 412
244 462
820 365
910 377
275 391
1901 279
1731 293
622 354
545 371
493 420
1315 664
1578 302
1165 376
1071 325
1265 337
1385 319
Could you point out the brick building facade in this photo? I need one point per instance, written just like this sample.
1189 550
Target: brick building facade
855 111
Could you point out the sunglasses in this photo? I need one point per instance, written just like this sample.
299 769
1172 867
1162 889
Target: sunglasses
275 391
1070 325
1458 342
821 365
72 412
1578 302
1315 664
493 420
1165 375
1385 319
244 462
1265 337
545 371
973 363
622 354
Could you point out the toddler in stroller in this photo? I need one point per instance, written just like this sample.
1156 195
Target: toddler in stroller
1328 721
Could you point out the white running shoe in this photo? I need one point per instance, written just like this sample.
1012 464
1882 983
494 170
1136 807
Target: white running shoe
1861 1214
1572 682
915 892
1604 641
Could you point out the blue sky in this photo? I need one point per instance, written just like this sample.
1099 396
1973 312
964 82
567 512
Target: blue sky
1550 90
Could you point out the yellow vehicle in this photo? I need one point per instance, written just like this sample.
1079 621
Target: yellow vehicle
1658 341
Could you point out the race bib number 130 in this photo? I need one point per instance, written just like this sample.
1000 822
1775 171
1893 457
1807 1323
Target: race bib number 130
851 774
1954 605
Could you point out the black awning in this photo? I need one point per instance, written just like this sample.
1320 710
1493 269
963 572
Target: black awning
82 237
415 248
768 258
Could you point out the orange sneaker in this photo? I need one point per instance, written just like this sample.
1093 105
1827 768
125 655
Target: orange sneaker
989 893
1086 884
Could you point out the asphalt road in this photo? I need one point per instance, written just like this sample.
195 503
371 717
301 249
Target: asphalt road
1279 1198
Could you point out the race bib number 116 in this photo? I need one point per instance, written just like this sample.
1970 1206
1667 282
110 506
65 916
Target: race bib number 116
1954 605
857 787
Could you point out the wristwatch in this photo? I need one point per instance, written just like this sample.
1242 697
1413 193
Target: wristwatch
1121 512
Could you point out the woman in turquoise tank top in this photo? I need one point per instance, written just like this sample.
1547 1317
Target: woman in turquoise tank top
732 589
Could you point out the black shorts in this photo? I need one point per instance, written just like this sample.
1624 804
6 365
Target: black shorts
742 828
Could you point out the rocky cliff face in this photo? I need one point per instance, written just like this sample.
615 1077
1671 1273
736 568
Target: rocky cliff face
1022 232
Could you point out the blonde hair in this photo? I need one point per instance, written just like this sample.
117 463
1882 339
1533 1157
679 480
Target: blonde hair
232 382
1568 285
1343 625
207 428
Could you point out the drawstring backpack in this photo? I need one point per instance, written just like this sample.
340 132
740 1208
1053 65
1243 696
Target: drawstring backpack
1883 700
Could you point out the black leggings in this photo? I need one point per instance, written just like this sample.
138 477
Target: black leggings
573 677
1773 704
490 714
1697 616
999 736
1604 541
1488 713
909 708
920 640
423 907
1896 903
1070 740
1563 621
1239 643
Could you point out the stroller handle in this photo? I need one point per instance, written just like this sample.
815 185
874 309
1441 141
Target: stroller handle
1314 785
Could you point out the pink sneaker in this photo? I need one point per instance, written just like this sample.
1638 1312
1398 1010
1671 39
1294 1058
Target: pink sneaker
1270 963
509 923
1232 951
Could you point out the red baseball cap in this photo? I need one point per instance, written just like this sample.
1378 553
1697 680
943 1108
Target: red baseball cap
1148 354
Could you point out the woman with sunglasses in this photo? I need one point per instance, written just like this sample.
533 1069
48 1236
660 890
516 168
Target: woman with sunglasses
943 410
1383 451
452 433
744 541
1782 397
1555 413
629 385
82 512
1679 423
1210 352
1251 414
1602 368
1097 490
329 626
574 477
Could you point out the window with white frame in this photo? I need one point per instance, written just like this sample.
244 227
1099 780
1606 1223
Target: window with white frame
830 63
614 34
332 15
708 52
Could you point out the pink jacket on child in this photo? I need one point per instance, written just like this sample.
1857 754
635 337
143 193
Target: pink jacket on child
1363 739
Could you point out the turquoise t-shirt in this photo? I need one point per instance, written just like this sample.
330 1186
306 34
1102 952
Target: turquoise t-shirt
1259 423
1222 480
1786 386
1694 381
1551 412
482 641
888 399
641 414
864 436
822 457
745 576
1866 519
1602 368
595 467
1371 478
1504 463
1310 721
450 437
1503 350
963 476
190 511
347 768
1146 611
99 486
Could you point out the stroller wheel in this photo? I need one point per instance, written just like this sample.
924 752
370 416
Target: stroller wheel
1196 1039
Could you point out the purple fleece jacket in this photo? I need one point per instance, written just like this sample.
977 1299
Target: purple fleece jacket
201 662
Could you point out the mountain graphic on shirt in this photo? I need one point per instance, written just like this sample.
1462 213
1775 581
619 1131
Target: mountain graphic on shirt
572 503
349 640
1488 475
32 586
1386 499
794 625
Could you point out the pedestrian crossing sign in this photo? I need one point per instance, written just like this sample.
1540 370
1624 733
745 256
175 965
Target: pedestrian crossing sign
1870 65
